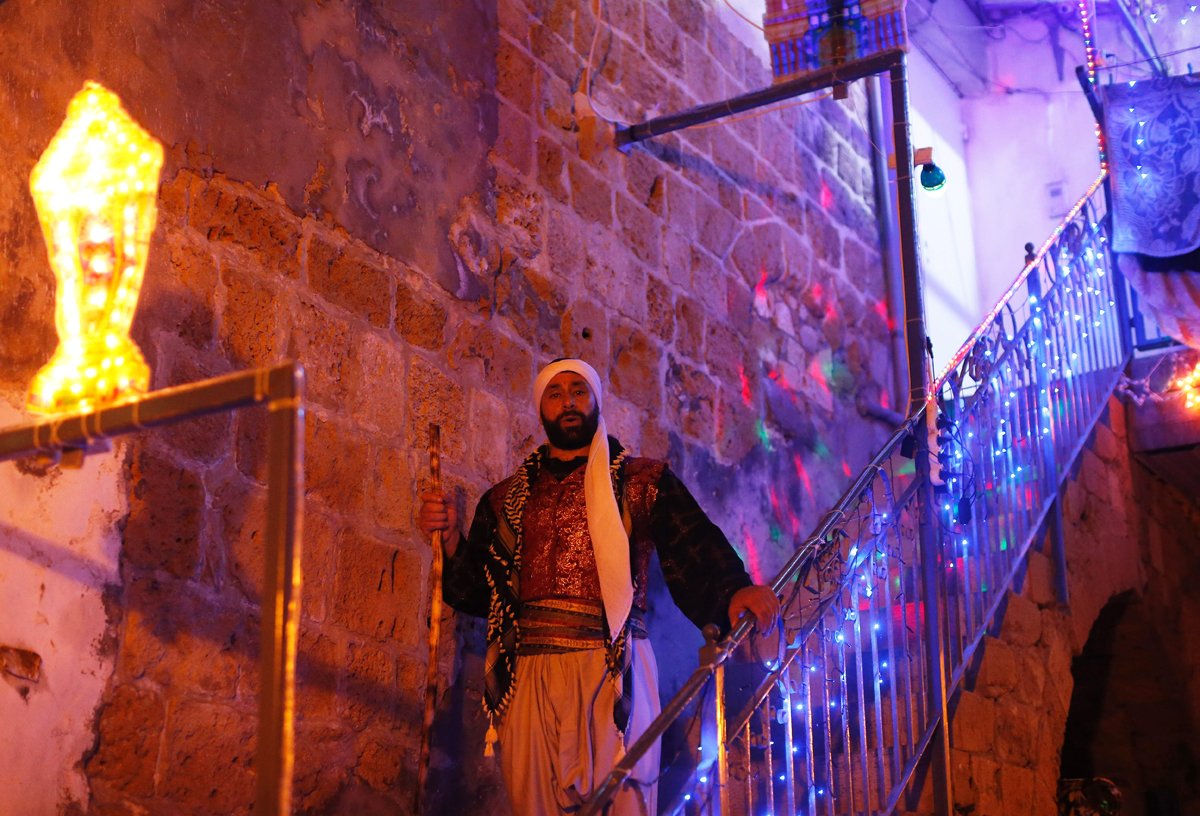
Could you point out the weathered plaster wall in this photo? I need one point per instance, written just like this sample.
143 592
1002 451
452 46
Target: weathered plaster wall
1128 534
397 199
59 546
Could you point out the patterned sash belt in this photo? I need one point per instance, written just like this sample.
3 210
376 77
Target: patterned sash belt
558 625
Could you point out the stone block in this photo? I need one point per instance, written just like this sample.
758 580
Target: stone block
702 75
566 252
336 465
490 450
641 230
324 757
203 440
551 169
317 562
736 429
556 55
129 725
664 43
493 359
584 331
1039 579
350 277
250 444
225 212
1016 789
327 344
690 398
973 724
690 322
715 227
998 672
514 138
1022 622
377 396
420 319
1016 733
660 309
985 773
645 180
591 195
383 762
179 291
392 494
166 515
370 687
1106 445
634 373
209 758
515 72
520 210
249 331
681 207
378 588
242 542
320 665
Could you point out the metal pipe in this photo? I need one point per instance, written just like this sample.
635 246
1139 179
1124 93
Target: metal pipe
1156 63
814 81
889 243
281 388
281 595
914 299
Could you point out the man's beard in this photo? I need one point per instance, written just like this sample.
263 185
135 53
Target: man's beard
576 436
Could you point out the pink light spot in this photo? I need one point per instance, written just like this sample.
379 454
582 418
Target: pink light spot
754 565
881 309
817 373
760 288
746 395
846 469
802 472
826 196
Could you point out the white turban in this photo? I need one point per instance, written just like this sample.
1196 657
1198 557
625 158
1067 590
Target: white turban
610 543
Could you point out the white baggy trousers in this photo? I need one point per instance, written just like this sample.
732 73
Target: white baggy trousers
558 741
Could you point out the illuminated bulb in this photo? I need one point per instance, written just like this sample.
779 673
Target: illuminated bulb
84 203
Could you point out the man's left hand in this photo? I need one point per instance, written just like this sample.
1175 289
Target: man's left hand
757 600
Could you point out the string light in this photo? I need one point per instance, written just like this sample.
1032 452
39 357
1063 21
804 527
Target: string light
1189 385
94 189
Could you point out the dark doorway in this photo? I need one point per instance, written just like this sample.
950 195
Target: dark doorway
1128 719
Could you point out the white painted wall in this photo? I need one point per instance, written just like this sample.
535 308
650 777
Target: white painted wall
1022 145
945 230
58 549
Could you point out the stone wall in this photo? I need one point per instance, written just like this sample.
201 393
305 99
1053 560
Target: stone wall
1130 537
398 200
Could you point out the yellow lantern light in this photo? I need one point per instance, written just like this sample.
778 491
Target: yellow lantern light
1189 384
95 189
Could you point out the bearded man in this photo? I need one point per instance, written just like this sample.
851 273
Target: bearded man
556 559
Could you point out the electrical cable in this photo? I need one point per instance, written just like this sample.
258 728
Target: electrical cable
743 16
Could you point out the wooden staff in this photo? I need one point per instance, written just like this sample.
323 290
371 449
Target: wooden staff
435 617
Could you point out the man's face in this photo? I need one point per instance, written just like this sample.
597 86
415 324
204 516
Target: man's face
569 413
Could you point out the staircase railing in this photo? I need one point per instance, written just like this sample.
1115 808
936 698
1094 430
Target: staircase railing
887 602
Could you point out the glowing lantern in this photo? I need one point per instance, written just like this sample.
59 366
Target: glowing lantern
1189 384
95 188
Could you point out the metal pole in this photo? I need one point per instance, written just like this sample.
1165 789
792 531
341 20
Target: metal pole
814 81
914 323
281 592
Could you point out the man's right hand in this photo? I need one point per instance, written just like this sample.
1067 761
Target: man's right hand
438 515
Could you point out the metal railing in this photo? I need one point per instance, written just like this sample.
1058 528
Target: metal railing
888 601
281 390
